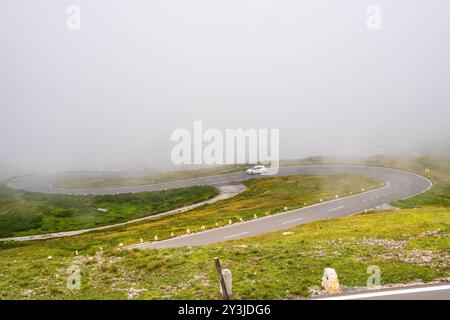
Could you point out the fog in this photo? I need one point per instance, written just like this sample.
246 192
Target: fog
110 94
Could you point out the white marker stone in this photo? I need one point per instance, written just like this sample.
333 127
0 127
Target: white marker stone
228 281
330 281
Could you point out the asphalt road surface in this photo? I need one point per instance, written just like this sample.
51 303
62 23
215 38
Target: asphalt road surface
399 185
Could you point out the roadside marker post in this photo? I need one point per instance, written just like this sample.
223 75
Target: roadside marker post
330 281
222 280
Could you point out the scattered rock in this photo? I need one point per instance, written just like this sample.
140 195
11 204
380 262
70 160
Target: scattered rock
27 293
425 257
385 207
432 233
387 243
132 292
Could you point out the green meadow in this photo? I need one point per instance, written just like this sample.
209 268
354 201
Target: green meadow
409 245
25 213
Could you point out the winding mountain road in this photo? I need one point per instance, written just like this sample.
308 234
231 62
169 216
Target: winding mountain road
399 185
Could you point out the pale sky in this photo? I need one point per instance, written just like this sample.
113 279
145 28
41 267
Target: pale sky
111 93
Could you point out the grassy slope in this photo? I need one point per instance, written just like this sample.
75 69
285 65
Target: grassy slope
154 178
25 213
410 244
268 195
268 266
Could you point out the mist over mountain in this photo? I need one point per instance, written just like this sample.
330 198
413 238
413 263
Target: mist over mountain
110 94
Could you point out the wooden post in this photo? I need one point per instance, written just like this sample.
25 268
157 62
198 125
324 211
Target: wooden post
222 280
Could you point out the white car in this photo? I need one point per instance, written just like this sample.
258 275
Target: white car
257 170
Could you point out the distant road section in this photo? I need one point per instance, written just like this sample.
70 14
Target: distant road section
399 185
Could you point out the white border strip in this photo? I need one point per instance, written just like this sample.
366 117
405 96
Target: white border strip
388 293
